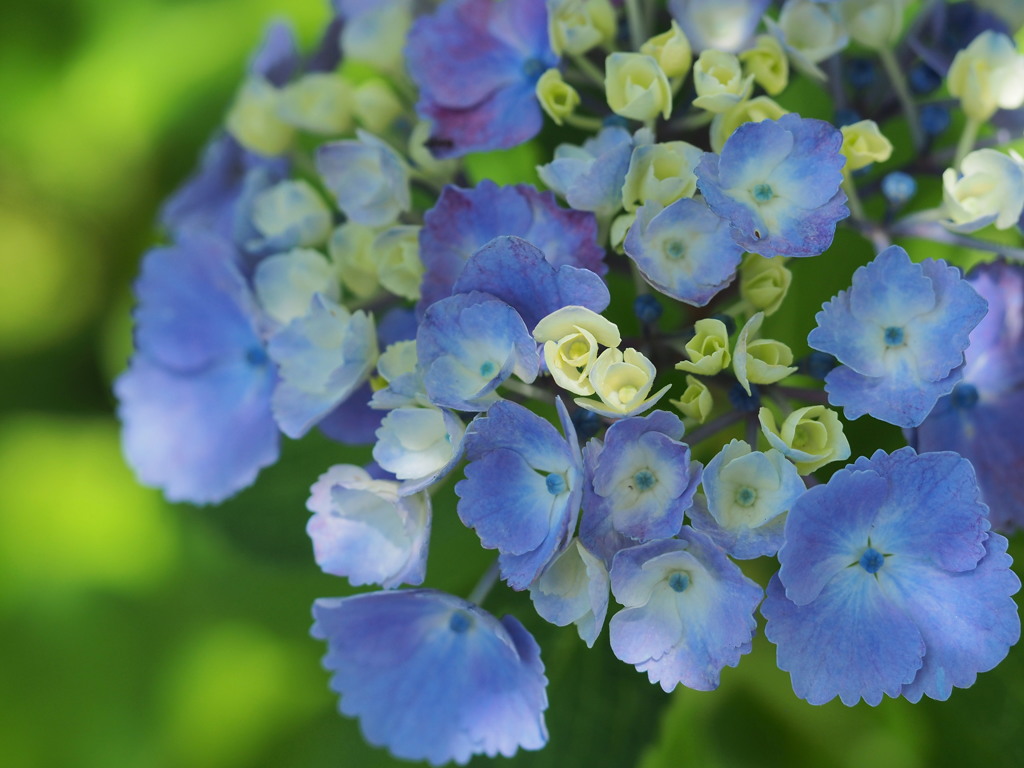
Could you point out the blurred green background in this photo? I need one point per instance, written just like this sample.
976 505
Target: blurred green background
138 633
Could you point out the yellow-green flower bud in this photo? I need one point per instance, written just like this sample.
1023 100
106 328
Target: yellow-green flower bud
863 144
660 172
556 97
764 282
376 106
874 23
991 189
619 229
987 75
708 350
254 119
768 63
810 437
400 270
753 110
576 26
696 401
671 50
636 87
351 248
719 81
622 380
319 102
570 336
811 32
425 162
761 361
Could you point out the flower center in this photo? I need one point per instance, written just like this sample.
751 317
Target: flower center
675 250
644 480
893 336
872 560
533 68
626 394
762 193
746 496
256 356
487 369
555 483
679 581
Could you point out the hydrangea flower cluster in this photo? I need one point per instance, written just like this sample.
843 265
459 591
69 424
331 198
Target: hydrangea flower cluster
340 262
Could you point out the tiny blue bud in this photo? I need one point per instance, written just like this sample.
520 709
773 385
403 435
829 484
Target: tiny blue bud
647 308
845 116
860 73
872 560
899 188
743 402
923 79
965 395
818 364
934 119
587 423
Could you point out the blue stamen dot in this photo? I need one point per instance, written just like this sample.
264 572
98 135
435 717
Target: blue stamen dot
555 483
872 560
533 68
644 480
746 496
679 581
763 193
460 622
487 369
256 356
893 336
965 395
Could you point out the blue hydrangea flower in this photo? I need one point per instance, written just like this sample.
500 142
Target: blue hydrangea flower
369 180
419 445
363 529
476 63
467 345
464 220
515 271
285 283
688 611
573 590
748 493
433 677
209 201
522 488
981 418
643 479
590 177
900 332
890 584
195 400
778 184
723 25
322 358
683 250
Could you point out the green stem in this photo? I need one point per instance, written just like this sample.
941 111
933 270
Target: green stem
899 84
967 140
588 68
585 122
484 585
715 426
852 197
528 390
637 30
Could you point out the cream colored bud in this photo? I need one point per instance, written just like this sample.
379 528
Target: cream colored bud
660 172
319 103
671 50
619 229
636 87
557 98
752 110
768 63
708 350
622 380
571 336
760 361
810 32
810 437
397 252
576 26
991 190
351 249
987 75
874 24
376 105
696 401
863 144
254 119
764 282
719 81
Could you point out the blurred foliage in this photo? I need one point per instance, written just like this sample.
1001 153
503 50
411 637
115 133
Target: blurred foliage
138 633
